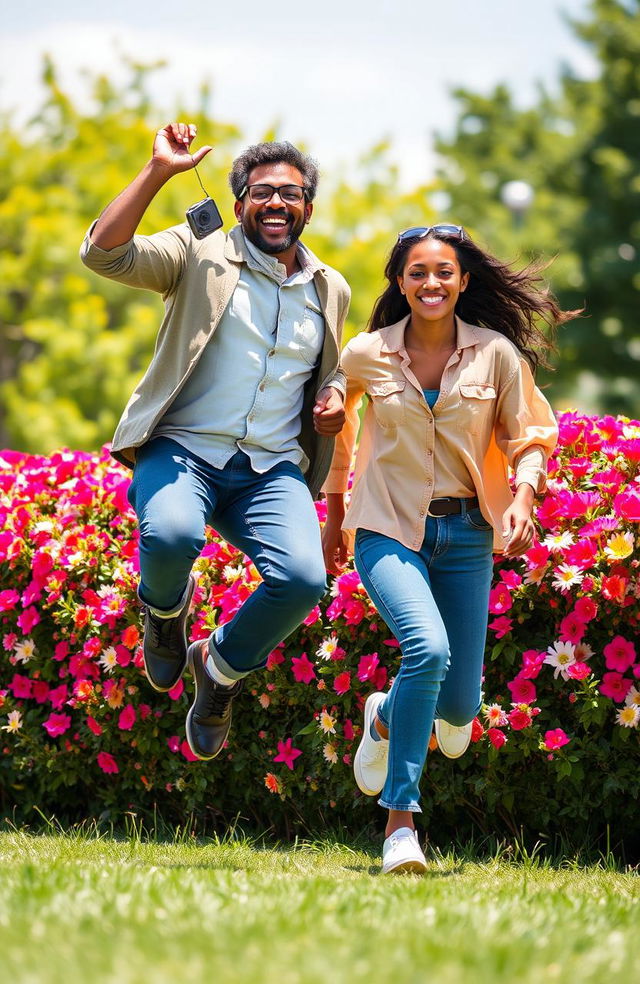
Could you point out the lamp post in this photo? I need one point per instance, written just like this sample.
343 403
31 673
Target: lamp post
518 197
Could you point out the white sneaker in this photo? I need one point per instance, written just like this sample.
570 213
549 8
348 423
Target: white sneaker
452 742
371 759
402 853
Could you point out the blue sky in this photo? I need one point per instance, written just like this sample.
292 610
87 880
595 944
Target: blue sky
339 77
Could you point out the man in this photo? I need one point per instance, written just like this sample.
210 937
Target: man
233 423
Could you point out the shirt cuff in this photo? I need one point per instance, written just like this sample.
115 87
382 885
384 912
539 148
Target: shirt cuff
531 468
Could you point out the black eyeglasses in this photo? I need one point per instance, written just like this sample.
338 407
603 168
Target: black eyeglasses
260 194
419 232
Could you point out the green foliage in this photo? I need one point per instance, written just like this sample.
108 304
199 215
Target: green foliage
579 150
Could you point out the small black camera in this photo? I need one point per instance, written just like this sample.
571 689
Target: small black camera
204 218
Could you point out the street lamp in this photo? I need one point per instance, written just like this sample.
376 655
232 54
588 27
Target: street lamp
518 197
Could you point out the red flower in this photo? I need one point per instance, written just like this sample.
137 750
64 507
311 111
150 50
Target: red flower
347 729
585 609
496 737
93 725
274 658
614 588
342 683
131 637
477 730
578 671
186 752
107 762
519 718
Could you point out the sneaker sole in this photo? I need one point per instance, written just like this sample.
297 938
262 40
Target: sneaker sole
368 718
189 662
165 690
414 867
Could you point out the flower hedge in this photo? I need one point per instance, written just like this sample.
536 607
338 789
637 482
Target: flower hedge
556 749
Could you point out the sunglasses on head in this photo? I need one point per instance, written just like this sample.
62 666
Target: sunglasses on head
419 232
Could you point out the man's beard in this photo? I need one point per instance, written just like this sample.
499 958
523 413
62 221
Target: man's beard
254 236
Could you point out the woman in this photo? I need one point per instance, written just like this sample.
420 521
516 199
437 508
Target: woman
445 364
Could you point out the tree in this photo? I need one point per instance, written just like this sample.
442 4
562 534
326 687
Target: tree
579 152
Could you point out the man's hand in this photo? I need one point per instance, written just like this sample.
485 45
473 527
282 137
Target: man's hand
171 147
328 412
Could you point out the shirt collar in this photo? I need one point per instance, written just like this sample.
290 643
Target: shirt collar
272 267
393 335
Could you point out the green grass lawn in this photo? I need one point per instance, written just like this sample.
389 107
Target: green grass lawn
91 909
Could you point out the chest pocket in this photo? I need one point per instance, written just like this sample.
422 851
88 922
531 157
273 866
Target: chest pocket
477 407
308 334
388 400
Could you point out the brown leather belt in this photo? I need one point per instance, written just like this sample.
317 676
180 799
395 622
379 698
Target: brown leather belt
448 506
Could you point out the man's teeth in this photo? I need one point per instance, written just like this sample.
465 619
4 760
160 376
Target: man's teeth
274 222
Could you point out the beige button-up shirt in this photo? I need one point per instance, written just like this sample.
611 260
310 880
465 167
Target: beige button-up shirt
489 416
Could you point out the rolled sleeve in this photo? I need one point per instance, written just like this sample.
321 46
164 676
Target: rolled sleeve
526 429
147 262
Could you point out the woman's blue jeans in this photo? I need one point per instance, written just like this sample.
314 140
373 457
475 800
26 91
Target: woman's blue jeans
269 516
435 601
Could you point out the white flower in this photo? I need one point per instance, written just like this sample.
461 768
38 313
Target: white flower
495 715
561 655
24 650
633 697
628 716
109 659
327 723
231 573
565 576
558 541
328 647
619 546
330 753
14 722
630 431
535 575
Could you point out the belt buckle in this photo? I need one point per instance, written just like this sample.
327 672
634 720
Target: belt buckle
441 498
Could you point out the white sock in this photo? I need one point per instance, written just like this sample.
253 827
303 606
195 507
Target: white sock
216 673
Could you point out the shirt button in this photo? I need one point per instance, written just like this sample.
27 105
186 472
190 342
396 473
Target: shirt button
261 387
429 453
423 513
272 353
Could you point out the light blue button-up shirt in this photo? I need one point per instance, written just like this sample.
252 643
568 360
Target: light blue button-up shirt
246 391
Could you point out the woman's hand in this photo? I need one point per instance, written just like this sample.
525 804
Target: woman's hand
517 525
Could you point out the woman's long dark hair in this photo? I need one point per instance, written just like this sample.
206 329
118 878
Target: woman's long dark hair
509 301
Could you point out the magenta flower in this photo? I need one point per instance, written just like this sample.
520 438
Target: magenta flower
627 505
572 628
22 686
177 691
500 600
57 724
496 737
302 669
520 718
367 667
555 739
107 762
347 729
522 690
127 718
342 683
615 686
582 554
532 663
173 744
8 600
287 753
186 752
501 626
585 609
578 670
58 696
619 654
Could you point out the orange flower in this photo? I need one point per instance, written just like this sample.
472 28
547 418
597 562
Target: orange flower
131 637
272 783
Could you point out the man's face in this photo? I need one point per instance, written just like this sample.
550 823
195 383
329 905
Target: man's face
274 226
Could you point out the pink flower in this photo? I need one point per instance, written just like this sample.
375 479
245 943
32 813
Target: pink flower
286 753
553 740
93 725
585 609
522 690
57 724
127 718
107 762
511 578
302 669
572 628
58 696
40 691
177 691
8 600
367 667
313 616
578 671
173 744
347 729
532 663
22 686
496 737
582 554
500 600
27 620
537 556
627 505
274 659
342 683
619 654
501 626
615 686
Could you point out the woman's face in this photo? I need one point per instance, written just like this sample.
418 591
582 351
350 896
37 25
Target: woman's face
432 279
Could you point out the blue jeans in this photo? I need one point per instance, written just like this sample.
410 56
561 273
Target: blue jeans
435 601
270 517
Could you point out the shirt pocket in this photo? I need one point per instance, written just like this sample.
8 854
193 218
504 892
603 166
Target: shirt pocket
388 399
308 334
477 407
